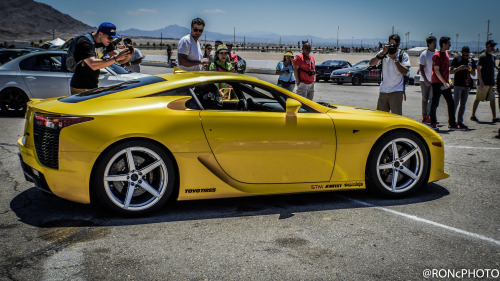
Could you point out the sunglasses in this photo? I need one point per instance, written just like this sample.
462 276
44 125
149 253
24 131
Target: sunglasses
197 30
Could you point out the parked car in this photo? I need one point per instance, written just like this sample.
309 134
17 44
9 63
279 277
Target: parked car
323 70
183 136
43 75
359 73
10 54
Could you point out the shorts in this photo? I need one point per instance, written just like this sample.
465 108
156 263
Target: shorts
485 94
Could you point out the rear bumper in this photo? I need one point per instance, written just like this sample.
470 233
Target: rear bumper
70 181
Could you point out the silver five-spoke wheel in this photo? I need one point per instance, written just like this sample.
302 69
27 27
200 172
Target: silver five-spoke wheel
398 164
135 177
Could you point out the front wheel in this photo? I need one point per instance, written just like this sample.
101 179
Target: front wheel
356 80
134 178
398 165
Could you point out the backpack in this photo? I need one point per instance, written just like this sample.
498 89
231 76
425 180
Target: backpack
406 78
71 62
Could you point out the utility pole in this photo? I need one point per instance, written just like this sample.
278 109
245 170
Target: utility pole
456 43
392 29
234 36
53 34
161 40
338 29
478 40
488 32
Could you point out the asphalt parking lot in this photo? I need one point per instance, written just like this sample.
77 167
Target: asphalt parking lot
446 227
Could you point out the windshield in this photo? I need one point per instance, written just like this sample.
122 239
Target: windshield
332 62
118 69
362 64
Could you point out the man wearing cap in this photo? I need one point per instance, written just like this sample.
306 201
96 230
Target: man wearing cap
486 81
284 69
86 74
189 54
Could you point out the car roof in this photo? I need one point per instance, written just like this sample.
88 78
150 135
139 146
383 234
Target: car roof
14 63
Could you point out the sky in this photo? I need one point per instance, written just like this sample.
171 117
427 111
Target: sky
322 18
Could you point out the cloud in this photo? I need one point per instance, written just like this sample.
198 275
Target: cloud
214 11
89 12
142 12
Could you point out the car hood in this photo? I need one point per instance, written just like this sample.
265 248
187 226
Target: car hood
133 75
344 70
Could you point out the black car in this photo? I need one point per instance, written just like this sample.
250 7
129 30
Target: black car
323 70
360 73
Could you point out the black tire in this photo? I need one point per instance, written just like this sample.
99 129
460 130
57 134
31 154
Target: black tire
13 102
340 83
152 178
411 165
317 79
327 79
357 80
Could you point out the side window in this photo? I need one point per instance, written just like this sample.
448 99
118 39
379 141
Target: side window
52 63
27 64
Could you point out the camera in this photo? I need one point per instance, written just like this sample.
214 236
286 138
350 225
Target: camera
392 48
311 72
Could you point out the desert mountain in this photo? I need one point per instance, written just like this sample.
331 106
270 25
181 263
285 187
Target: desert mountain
32 21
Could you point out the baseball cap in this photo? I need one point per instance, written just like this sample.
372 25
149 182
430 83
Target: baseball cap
222 48
108 28
491 43
289 53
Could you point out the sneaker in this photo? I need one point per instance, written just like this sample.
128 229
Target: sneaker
495 120
455 128
424 119
434 126
473 118
463 126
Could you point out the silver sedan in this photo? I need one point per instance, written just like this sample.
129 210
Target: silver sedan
41 75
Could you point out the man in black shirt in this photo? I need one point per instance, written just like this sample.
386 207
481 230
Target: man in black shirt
90 60
486 81
463 67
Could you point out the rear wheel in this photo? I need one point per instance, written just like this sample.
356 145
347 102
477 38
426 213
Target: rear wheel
13 102
398 165
134 178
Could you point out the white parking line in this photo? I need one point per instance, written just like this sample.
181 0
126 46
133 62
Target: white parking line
415 218
469 147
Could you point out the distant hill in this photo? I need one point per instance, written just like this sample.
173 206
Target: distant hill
29 20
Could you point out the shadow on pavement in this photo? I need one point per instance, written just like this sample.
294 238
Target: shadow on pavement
47 211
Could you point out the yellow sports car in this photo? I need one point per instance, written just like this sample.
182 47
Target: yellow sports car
197 135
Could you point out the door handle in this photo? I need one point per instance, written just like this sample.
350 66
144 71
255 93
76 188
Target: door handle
30 77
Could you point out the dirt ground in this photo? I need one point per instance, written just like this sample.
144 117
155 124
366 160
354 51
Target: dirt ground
350 57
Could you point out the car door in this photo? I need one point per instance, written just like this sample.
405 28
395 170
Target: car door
260 144
374 73
45 75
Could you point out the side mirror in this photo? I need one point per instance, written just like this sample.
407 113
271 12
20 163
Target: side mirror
292 107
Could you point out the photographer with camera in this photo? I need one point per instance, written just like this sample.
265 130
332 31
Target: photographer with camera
285 71
134 64
304 70
395 65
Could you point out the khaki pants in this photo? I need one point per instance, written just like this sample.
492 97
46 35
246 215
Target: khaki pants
391 102
306 90
75 91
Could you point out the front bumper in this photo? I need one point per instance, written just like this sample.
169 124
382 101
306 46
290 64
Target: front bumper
341 79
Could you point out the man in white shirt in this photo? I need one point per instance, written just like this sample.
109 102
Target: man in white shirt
394 67
425 63
134 64
189 54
